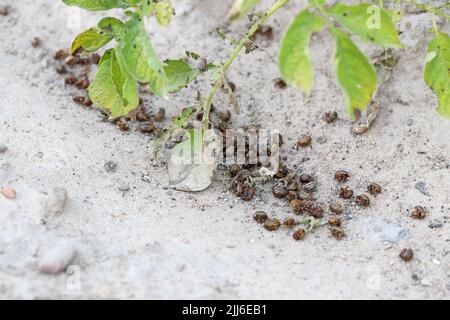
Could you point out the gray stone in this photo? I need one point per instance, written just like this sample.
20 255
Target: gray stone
57 259
422 187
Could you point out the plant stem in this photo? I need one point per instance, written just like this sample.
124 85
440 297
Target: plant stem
244 40
434 10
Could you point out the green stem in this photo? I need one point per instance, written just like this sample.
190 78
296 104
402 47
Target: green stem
434 10
244 40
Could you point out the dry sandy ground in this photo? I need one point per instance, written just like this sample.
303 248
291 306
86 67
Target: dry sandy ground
152 242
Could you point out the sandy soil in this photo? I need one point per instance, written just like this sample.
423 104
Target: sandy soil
153 242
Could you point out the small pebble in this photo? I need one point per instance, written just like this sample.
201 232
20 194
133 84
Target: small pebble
322 140
4 10
36 42
435 225
3 148
421 186
110 166
8 193
124 188
57 259
436 262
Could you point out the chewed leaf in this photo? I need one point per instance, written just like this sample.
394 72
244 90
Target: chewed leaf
179 74
111 25
437 71
90 40
192 162
135 54
97 5
355 74
295 62
113 88
164 12
179 123
369 22
241 8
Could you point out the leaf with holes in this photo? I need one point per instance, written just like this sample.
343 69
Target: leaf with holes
90 41
355 74
164 12
369 22
179 74
437 71
97 5
295 62
113 89
137 56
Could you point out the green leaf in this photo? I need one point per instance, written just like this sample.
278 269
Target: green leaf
317 2
136 55
369 22
355 74
241 8
182 120
179 74
437 71
148 8
164 12
134 3
111 25
97 5
90 40
295 62
113 88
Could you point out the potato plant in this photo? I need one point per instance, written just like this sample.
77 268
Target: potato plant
133 60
